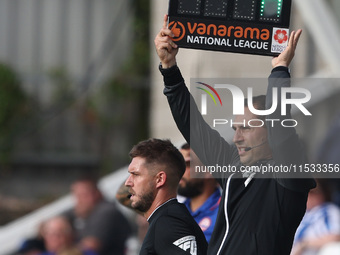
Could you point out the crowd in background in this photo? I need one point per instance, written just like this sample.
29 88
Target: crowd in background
96 226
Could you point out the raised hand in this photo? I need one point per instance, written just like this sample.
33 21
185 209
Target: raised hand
165 47
287 55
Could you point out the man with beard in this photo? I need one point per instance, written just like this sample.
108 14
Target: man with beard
202 194
155 171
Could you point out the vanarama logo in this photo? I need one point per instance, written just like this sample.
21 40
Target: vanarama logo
219 30
178 29
220 35
204 97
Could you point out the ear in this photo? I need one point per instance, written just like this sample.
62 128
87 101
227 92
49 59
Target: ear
160 179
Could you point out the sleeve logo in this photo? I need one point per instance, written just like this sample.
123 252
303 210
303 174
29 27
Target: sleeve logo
187 243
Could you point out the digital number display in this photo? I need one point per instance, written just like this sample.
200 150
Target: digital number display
215 8
267 11
242 26
191 7
271 10
245 9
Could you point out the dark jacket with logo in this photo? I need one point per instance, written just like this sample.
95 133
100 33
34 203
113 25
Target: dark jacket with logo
172 231
256 215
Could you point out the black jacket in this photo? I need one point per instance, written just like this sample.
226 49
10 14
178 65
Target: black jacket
256 215
172 231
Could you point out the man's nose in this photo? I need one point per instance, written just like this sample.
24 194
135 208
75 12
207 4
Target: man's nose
237 136
128 182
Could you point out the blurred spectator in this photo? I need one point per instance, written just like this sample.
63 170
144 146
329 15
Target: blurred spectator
33 246
59 238
99 224
135 243
328 153
321 224
330 249
201 192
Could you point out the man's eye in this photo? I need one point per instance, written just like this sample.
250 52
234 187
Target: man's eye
246 128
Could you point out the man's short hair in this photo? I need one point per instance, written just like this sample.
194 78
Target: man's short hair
185 146
161 152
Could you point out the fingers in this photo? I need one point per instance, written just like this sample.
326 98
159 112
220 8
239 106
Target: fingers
165 21
291 39
297 37
165 44
165 32
164 36
165 47
294 38
285 58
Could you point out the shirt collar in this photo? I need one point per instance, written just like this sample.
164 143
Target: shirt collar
160 207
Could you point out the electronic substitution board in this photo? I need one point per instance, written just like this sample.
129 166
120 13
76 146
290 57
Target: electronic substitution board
242 26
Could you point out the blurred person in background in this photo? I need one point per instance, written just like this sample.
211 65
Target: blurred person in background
328 153
34 245
201 192
99 225
321 224
59 238
330 249
134 244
